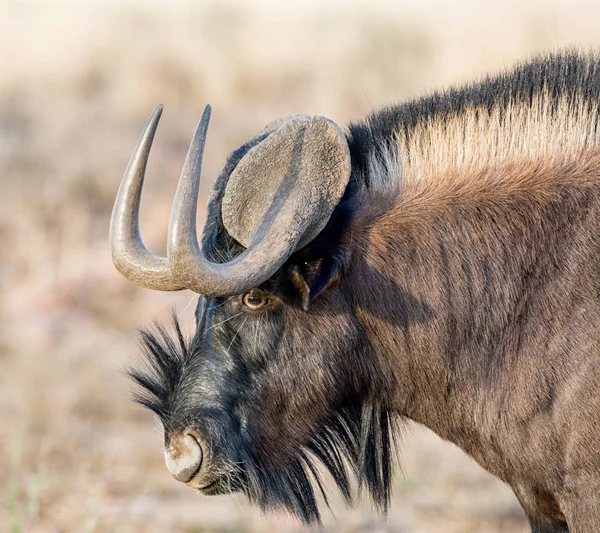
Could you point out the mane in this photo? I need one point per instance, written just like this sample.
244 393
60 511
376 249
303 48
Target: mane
544 108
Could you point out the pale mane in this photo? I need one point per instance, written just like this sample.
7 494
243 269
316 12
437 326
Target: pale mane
553 128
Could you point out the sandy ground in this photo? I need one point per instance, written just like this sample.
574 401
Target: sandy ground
77 82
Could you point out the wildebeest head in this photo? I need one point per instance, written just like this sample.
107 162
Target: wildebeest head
278 375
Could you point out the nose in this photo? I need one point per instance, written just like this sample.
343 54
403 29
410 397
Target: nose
183 457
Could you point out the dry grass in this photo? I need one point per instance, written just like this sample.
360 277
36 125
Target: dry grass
77 82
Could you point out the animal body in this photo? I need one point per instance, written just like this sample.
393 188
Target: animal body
437 261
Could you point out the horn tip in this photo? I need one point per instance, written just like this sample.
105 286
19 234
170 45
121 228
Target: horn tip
155 116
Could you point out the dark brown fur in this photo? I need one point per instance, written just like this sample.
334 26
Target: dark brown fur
490 322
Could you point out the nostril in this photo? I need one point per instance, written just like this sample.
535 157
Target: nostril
183 457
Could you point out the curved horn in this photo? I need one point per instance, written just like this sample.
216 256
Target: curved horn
270 248
130 256
301 192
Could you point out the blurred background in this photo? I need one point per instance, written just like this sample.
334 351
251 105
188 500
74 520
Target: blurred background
77 83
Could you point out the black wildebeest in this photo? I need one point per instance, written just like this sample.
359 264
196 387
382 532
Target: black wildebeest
438 261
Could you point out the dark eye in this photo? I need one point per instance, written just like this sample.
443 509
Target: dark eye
255 299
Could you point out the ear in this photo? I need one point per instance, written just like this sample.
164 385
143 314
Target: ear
310 278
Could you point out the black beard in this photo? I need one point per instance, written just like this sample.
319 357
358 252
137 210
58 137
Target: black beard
355 443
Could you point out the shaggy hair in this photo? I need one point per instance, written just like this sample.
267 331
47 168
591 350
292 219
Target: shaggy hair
545 107
356 439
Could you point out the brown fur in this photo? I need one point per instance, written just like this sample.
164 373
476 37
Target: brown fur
494 341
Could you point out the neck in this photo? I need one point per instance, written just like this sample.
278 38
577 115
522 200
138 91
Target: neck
450 279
